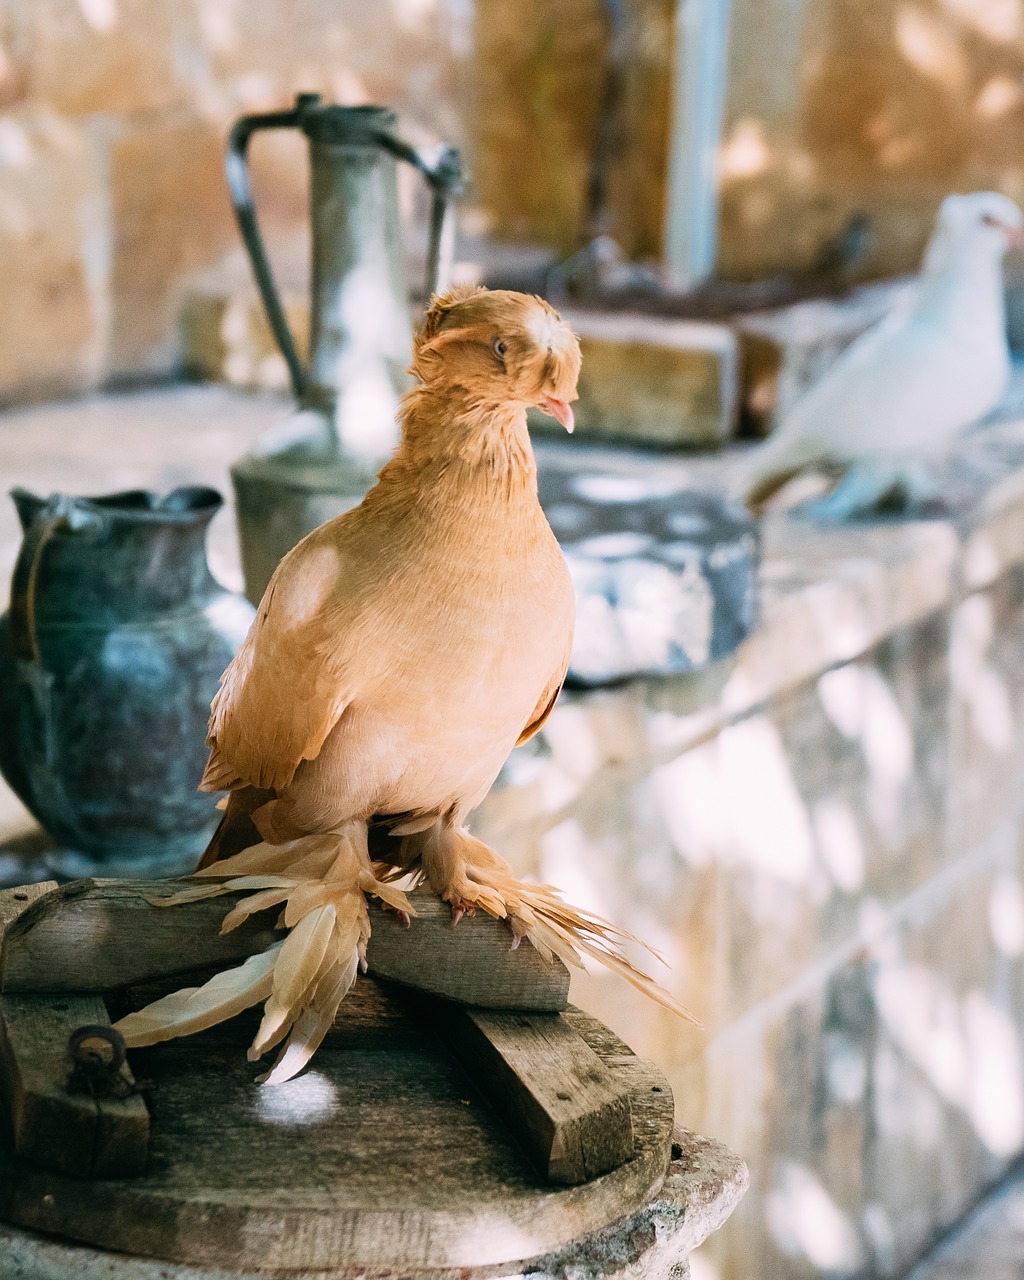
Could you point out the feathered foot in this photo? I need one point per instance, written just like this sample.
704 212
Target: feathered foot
870 488
466 873
321 882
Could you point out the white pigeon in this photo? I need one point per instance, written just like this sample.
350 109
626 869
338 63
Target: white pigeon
903 390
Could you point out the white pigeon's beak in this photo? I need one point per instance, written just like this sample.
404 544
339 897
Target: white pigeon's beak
559 409
1015 237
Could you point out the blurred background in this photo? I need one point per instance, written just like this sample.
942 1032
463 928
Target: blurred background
821 828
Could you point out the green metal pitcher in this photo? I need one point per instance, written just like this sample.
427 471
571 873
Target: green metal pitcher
113 647
322 461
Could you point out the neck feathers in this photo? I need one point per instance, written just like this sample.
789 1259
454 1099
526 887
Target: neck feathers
448 431
962 281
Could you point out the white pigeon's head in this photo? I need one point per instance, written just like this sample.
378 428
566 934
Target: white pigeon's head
983 222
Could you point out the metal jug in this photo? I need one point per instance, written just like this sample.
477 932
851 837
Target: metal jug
114 645
321 462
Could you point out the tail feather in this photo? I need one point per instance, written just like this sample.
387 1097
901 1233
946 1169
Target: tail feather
193 1009
762 488
464 871
322 881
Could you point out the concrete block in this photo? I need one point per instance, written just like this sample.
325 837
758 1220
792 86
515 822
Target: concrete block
875 1098
651 381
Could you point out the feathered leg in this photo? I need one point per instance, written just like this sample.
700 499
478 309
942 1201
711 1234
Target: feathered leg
867 486
321 882
236 830
466 873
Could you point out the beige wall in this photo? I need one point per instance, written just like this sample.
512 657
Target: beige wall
113 114
876 105
831 106
112 120
541 69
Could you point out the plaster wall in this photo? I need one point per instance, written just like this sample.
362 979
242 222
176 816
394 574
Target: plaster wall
113 115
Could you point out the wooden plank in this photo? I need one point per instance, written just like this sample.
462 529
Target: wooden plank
98 935
553 1091
15 902
374 1161
73 1132
95 936
471 963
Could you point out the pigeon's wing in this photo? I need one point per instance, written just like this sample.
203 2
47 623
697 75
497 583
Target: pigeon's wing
903 388
547 699
287 686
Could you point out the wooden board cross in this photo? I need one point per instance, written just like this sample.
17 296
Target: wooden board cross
63 949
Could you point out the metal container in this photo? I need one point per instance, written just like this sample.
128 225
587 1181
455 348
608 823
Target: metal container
114 645
323 460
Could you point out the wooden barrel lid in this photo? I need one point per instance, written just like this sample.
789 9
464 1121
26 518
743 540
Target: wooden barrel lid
383 1155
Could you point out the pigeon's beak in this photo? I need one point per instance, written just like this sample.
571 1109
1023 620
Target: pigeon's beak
559 409
1015 237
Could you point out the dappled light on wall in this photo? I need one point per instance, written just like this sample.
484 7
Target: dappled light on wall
967 1048
807 1223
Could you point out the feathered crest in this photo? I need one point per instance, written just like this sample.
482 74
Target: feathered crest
440 305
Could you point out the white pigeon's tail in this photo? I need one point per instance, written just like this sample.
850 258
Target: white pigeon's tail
321 882
468 874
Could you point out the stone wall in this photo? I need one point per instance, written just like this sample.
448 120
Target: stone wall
831 107
880 106
112 120
113 115
824 839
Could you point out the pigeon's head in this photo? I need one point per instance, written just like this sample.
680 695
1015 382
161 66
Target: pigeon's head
984 220
500 347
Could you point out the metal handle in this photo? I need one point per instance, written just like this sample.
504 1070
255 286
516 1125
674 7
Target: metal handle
237 168
446 181
62 512
444 177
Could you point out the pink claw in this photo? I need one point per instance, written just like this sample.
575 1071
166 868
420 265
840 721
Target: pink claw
401 916
457 914
363 966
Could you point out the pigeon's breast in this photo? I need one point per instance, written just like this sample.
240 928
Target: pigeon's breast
458 679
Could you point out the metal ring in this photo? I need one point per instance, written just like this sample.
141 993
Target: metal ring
114 1038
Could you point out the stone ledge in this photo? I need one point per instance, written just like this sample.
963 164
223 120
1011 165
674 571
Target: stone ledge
704 1184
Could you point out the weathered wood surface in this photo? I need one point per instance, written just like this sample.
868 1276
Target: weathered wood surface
15 902
377 1158
471 963
74 1132
100 935
570 1112
705 1181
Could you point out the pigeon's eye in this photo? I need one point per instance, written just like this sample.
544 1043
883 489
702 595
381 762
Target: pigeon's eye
989 221
500 348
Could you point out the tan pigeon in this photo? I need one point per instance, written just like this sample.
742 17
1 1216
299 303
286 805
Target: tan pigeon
399 654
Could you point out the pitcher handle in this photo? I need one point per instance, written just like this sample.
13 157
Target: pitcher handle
237 169
446 181
61 512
